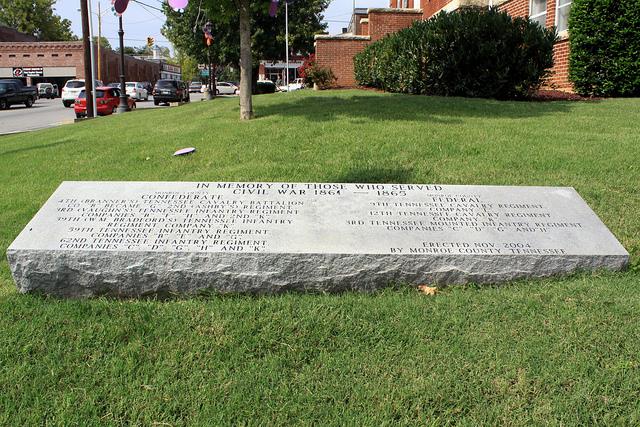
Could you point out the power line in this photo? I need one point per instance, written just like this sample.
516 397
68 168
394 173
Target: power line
339 15
148 5
144 21
137 40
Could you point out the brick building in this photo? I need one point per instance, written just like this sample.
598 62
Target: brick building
549 13
57 62
337 51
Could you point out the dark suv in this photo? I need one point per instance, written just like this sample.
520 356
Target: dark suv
170 91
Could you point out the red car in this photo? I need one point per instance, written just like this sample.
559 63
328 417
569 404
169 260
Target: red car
107 100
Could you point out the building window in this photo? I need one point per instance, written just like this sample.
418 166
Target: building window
26 55
55 55
41 55
68 54
563 7
538 11
11 55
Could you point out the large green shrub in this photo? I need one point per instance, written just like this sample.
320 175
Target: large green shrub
474 52
605 47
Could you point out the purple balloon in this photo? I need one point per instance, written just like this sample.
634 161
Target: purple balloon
178 4
273 8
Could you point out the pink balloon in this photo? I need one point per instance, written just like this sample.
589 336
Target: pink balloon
178 4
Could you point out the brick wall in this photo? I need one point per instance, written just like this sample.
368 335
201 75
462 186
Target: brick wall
42 54
70 54
364 28
337 54
359 18
431 7
559 78
136 69
516 7
387 21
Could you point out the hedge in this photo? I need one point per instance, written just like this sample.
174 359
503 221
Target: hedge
605 47
474 52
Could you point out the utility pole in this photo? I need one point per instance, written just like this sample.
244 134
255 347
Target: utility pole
99 39
286 29
208 37
86 45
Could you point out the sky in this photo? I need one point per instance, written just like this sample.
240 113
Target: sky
142 21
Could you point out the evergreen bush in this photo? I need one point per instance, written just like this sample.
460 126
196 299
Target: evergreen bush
605 47
474 52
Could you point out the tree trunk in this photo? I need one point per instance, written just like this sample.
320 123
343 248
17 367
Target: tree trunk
246 106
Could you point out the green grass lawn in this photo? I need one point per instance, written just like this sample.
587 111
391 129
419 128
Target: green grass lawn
563 351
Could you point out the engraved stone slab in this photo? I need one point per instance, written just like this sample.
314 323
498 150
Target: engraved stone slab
132 239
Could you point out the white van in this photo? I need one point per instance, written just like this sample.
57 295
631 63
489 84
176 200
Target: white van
72 89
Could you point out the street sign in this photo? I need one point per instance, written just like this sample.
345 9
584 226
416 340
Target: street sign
20 72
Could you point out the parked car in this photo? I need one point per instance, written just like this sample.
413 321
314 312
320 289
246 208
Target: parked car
46 90
167 91
195 87
72 89
114 84
13 91
265 86
297 84
226 88
148 86
107 101
137 91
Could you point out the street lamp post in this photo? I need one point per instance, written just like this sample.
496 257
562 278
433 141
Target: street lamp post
123 107
88 60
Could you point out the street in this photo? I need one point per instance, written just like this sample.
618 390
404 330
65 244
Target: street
50 112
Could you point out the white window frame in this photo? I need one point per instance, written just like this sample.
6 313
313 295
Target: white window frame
558 7
546 7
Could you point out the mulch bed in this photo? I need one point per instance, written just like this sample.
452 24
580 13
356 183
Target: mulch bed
556 95
542 95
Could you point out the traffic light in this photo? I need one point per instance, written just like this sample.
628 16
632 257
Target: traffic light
150 41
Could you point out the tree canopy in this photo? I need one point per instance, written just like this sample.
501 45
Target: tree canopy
243 31
36 17
104 42
184 29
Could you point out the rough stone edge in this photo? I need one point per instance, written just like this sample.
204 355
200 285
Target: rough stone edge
79 274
